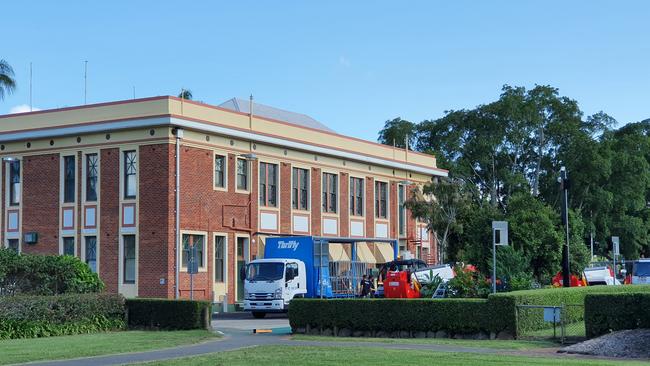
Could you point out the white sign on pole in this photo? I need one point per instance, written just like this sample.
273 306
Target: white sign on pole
615 243
500 231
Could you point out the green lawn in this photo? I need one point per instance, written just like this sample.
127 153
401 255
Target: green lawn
84 345
305 356
498 344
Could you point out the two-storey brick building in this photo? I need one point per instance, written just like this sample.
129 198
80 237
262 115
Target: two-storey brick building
122 185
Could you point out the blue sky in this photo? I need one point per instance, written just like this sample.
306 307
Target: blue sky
350 64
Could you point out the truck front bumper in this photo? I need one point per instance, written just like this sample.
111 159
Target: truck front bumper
266 306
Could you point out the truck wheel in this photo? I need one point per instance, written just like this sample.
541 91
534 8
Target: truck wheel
258 315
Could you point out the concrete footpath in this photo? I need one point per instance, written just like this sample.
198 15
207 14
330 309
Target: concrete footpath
237 330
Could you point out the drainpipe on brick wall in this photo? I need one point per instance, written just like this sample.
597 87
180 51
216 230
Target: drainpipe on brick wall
177 209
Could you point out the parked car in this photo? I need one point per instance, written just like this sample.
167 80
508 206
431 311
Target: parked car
600 276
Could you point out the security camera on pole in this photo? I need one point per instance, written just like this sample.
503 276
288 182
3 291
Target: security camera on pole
499 237
563 179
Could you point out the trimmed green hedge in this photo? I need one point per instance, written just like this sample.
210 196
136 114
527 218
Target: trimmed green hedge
499 313
605 313
29 274
524 320
457 316
44 316
168 314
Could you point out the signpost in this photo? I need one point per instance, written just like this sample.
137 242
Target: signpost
499 237
617 252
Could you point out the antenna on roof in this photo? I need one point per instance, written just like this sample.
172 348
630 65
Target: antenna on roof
250 119
85 82
133 91
30 87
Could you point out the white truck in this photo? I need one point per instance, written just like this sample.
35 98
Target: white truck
270 284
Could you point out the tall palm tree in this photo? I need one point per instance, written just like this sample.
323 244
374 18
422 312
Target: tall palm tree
185 94
7 82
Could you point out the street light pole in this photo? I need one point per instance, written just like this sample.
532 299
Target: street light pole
564 185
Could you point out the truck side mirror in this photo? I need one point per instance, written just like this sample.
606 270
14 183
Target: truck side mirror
242 272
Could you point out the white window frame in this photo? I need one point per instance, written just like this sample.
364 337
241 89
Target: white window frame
248 176
204 234
225 171
309 188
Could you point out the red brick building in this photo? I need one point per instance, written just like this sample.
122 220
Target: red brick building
122 185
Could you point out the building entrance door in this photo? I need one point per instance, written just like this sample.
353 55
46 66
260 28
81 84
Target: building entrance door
243 252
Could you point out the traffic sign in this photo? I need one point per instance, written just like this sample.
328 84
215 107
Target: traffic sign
615 244
500 231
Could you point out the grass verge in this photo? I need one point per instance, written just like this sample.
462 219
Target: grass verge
307 356
85 345
496 344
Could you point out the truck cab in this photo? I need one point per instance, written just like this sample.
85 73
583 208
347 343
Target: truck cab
270 284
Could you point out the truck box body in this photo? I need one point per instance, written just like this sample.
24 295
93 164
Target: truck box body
306 249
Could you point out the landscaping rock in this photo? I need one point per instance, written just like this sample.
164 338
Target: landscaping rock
420 335
404 334
382 334
344 332
357 333
326 332
627 343
459 336
441 334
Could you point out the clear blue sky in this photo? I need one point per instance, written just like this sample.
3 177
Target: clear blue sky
350 64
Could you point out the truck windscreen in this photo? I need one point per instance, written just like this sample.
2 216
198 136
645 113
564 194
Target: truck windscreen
265 271
641 269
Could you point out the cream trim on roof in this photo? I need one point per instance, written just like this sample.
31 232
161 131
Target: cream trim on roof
161 111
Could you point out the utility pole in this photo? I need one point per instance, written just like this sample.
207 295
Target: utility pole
564 186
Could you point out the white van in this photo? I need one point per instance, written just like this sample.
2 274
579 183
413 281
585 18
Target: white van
641 272
600 276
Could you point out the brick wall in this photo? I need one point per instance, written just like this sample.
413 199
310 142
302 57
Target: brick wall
370 207
344 204
208 210
109 216
285 198
40 202
316 201
156 220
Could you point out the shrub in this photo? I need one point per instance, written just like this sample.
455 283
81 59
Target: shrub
605 313
44 316
531 320
45 275
458 316
168 314
467 284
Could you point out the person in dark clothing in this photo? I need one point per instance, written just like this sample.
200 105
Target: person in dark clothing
365 286
371 291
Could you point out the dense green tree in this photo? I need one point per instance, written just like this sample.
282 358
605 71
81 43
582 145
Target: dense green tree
398 132
185 94
505 158
7 82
